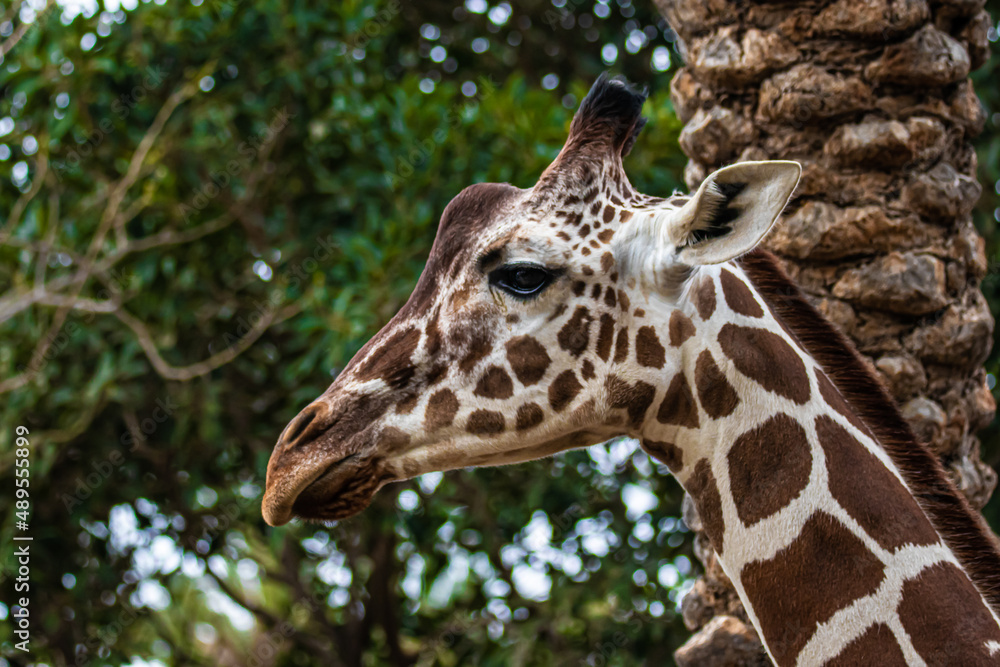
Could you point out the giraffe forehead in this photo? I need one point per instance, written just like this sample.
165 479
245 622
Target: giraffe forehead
572 222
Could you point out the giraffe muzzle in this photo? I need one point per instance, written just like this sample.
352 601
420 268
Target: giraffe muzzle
325 466
320 490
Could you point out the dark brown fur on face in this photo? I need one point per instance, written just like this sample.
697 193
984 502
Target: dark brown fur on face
945 507
471 211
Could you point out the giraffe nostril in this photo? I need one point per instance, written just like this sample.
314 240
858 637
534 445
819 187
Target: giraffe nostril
300 425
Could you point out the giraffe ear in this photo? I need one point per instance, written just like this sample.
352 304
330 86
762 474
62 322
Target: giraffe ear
732 211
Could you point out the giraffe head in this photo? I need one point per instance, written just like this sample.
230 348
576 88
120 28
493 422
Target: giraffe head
531 323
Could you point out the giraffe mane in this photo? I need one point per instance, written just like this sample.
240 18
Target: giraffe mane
947 509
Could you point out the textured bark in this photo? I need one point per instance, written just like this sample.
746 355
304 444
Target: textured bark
873 98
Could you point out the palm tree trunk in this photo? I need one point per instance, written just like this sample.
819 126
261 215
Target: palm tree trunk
873 97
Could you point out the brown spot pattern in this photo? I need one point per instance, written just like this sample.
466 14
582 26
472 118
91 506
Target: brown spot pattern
716 394
610 300
441 409
495 383
836 400
606 235
877 646
607 262
584 413
870 492
529 415
678 407
563 390
947 509
666 452
485 422
435 373
528 359
587 370
704 297
705 493
575 334
831 568
391 361
460 297
478 344
393 439
621 346
407 403
433 344
605 336
648 350
768 468
767 359
635 398
623 301
680 329
738 295
946 618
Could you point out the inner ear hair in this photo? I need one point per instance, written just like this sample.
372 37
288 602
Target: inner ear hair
733 210
716 212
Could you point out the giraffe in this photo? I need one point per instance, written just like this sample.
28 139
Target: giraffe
578 310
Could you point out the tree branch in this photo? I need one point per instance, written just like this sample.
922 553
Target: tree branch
14 304
111 212
21 31
182 373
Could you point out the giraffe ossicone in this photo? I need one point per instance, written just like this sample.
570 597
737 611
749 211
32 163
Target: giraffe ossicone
579 310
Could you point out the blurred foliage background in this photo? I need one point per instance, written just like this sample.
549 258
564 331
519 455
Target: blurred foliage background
208 207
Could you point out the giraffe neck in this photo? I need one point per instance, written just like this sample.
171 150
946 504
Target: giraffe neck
812 519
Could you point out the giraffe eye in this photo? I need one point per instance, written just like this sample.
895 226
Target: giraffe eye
523 281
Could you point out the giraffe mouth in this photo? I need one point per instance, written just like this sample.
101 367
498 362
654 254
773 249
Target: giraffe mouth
324 487
341 489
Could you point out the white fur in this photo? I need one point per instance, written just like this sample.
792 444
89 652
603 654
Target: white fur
660 237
